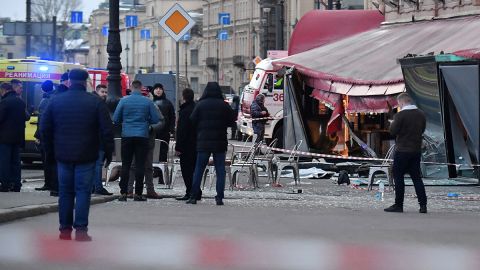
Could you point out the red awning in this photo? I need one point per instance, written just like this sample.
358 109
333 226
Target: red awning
471 53
357 104
317 28
370 58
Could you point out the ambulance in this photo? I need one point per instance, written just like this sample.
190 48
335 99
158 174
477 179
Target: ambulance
32 72
264 81
99 76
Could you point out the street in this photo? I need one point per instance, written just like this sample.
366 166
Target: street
325 215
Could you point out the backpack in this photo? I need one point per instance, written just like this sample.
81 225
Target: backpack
343 178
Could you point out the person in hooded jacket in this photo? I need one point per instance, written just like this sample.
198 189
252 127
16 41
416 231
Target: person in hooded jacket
49 163
64 84
258 110
211 118
168 112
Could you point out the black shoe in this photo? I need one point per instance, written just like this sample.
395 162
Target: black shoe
54 193
65 235
423 209
122 198
139 198
219 201
82 236
394 208
191 201
184 198
103 191
44 188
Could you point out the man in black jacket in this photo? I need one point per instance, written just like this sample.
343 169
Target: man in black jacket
211 117
258 110
186 142
49 163
12 138
70 129
168 112
408 126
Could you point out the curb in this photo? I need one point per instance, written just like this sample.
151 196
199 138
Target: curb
11 214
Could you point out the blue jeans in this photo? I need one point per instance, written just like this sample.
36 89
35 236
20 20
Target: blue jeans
97 177
75 190
201 164
10 169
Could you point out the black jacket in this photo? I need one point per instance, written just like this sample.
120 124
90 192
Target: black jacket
60 89
186 135
408 127
71 125
168 112
12 119
41 109
211 117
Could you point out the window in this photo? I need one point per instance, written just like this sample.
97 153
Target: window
194 84
10 55
194 57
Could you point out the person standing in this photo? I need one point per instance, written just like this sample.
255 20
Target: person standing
136 113
64 84
17 86
186 142
408 127
168 112
70 128
258 110
12 138
236 109
100 92
211 118
49 163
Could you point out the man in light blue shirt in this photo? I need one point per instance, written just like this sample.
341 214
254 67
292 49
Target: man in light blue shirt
136 113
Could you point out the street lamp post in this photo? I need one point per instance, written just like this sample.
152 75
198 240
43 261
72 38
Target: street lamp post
127 50
114 49
153 46
98 57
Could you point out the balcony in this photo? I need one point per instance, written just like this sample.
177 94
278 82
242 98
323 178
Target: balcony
239 60
212 62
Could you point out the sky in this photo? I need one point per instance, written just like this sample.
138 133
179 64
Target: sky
17 11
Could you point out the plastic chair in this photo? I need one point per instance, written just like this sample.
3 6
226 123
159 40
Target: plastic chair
247 163
291 162
385 168
116 160
162 165
266 160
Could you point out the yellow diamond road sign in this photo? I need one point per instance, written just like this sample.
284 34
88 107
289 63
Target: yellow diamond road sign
177 22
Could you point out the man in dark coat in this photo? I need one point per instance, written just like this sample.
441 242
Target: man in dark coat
49 163
70 129
258 110
12 138
211 117
408 127
64 84
168 111
187 142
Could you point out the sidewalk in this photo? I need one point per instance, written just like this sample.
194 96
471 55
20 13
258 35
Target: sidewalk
29 203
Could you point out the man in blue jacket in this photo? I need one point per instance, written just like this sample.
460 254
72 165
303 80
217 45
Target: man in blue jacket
70 128
136 113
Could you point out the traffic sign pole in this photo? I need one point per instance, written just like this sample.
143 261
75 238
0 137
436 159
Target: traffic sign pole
177 82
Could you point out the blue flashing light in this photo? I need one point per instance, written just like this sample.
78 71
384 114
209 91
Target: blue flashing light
43 68
10 67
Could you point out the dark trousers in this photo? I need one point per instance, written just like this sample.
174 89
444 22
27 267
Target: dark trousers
201 164
260 134
408 163
133 147
50 171
10 168
187 165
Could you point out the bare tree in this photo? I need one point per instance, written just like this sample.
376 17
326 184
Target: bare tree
44 10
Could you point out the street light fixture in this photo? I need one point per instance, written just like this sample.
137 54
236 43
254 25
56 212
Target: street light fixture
127 49
153 46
